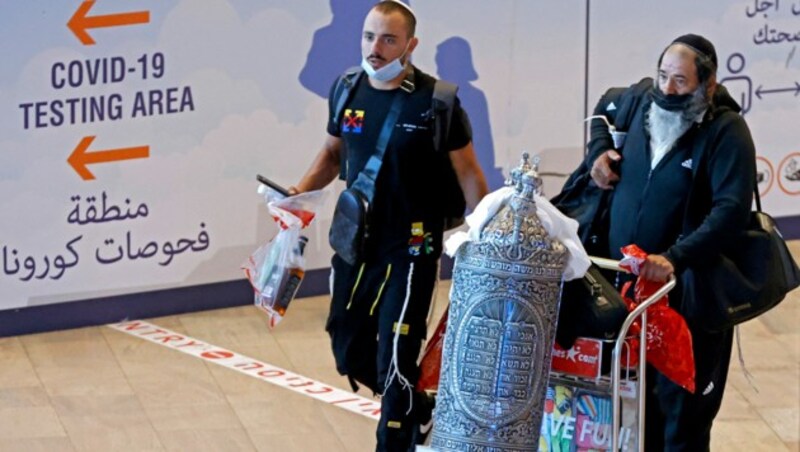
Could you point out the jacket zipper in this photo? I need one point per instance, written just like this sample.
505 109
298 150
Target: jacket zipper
641 203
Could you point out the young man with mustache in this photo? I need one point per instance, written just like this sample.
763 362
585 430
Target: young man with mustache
388 293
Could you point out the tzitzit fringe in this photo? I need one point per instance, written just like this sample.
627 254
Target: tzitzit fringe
394 370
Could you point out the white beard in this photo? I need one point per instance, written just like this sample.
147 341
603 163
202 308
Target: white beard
665 128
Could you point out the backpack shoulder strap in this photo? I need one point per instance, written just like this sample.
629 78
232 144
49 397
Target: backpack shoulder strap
628 102
619 106
345 86
443 102
344 89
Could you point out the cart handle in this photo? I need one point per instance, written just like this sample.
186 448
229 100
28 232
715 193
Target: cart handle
608 264
639 311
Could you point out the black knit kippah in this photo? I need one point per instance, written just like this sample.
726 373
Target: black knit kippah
699 44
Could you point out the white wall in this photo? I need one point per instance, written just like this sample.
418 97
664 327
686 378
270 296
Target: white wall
240 61
762 74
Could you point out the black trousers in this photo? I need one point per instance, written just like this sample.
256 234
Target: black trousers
677 420
366 308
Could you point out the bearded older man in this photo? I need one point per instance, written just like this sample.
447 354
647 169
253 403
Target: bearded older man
682 189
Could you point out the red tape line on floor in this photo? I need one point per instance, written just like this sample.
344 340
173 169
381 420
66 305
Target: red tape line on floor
252 367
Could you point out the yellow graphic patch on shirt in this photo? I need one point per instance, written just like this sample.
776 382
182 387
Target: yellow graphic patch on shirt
420 241
394 424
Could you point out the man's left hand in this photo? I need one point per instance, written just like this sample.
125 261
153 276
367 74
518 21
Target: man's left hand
657 268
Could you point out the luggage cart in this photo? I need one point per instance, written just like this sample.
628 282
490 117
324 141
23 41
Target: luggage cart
614 384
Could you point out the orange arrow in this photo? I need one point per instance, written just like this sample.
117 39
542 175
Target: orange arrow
80 158
80 22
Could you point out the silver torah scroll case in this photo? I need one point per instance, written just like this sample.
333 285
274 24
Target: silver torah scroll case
500 331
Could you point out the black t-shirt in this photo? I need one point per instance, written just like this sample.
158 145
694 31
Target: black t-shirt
407 214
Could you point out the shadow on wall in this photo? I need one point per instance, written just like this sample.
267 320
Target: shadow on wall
454 64
336 46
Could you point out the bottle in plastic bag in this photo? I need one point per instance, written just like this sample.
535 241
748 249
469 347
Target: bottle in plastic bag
292 277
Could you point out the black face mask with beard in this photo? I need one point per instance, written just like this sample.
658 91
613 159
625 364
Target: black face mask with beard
672 102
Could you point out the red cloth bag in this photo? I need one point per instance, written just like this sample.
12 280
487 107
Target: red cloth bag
669 341
431 363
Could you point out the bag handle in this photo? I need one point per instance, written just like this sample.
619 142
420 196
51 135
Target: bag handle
756 195
365 181
444 98
698 156
345 86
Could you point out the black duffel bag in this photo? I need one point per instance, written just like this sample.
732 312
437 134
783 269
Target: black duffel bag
582 200
744 282
590 307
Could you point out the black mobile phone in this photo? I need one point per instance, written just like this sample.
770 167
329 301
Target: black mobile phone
271 184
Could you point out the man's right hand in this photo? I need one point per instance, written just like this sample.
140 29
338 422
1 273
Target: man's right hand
603 173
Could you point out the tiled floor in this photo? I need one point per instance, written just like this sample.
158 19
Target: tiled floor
97 389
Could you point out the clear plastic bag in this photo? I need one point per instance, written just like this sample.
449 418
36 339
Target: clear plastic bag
277 268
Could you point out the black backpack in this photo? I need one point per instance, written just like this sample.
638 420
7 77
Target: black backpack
591 306
580 198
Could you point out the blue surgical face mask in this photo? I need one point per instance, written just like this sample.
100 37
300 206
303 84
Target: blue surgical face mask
388 72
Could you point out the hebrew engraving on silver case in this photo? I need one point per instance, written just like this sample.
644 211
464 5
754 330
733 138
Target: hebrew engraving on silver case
500 331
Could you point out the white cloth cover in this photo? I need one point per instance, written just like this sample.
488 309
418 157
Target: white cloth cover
556 224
